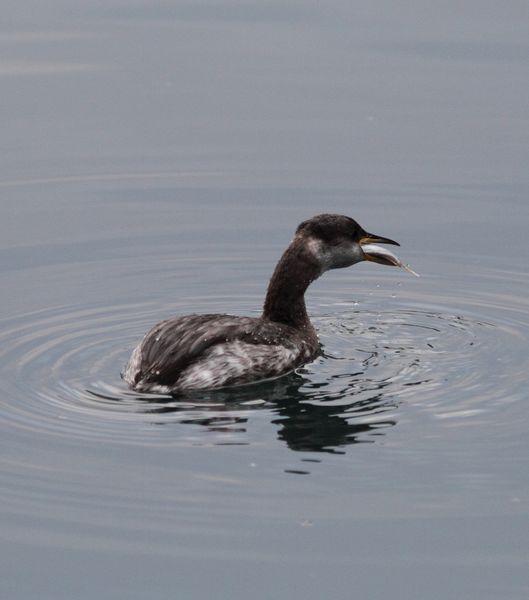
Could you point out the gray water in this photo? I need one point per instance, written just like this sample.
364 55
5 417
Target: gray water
156 158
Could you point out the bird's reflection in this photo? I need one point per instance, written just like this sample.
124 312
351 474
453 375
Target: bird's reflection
307 419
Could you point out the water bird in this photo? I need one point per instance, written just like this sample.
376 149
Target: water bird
208 351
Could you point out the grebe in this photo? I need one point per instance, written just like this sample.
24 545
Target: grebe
199 352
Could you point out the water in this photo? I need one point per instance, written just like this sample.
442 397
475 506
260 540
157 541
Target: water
156 159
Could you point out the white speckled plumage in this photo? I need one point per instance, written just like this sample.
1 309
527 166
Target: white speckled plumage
236 362
214 356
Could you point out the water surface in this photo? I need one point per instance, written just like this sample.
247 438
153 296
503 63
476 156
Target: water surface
157 158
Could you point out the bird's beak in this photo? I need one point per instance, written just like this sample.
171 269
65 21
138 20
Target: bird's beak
377 254
371 238
380 255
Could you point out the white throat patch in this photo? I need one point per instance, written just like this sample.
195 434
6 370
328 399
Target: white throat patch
335 257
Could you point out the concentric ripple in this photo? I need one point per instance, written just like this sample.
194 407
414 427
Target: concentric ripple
60 371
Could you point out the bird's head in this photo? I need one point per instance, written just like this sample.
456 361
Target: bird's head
337 241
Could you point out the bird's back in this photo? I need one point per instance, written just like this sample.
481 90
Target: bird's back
210 351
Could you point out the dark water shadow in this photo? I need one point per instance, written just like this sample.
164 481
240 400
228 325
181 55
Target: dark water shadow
306 418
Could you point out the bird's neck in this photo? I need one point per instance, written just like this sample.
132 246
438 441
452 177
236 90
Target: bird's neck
295 271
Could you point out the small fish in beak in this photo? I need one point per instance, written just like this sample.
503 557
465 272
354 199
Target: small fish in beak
381 255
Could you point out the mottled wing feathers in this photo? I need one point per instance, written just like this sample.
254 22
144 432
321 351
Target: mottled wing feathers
172 345
208 351
237 363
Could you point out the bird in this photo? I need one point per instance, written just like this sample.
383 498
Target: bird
210 351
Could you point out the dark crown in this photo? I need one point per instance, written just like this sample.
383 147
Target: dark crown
329 227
